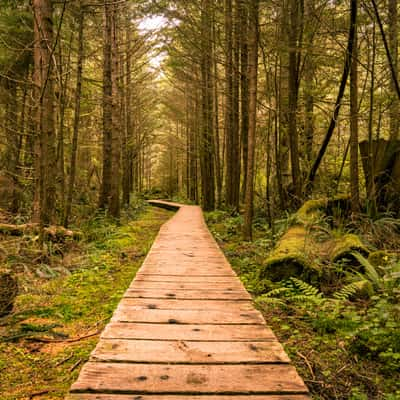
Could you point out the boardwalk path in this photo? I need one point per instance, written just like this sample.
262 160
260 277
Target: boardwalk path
186 329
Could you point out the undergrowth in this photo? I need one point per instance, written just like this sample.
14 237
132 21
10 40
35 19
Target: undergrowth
343 336
58 316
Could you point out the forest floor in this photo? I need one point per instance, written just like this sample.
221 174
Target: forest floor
342 349
66 299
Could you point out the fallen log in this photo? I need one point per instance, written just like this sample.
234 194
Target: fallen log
53 232
344 247
290 258
299 254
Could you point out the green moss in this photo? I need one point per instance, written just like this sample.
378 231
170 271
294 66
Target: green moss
345 245
289 258
71 306
311 209
380 258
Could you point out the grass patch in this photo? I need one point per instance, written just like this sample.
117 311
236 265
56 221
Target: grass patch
57 320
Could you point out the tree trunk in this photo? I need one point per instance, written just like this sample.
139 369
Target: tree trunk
338 102
114 200
244 88
393 46
77 114
354 174
107 107
43 49
253 65
207 140
292 99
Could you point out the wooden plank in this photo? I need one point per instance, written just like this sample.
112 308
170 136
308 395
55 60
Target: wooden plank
150 351
183 278
188 294
120 330
189 379
87 396
188 270
171 304
144 284
188 316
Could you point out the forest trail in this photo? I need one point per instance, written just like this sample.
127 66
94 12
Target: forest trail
187 329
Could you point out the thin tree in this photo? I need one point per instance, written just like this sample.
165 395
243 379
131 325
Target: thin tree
346 70
253 68
77 115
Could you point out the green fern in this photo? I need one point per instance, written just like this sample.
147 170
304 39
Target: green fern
348 291
370 272
306 289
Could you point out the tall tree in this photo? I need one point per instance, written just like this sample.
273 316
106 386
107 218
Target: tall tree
354 173
43 80
393 45
105 189
207 140
253 68
77 115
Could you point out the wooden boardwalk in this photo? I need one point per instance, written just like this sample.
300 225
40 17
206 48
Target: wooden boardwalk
186 329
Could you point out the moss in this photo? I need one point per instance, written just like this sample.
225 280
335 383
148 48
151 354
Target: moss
289 258
310 209
380 258
344 246
71 306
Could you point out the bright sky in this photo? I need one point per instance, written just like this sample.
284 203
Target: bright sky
151 25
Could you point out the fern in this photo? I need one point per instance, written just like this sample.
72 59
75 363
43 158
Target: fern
370 271
306 289
348 291
266 299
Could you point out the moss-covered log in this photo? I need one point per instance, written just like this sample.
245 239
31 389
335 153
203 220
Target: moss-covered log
53 233
297 251
289 258
344 247
8 292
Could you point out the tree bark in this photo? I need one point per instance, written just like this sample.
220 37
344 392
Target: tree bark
253 67
43 51
107 107
207 140
393 46
354 173
77 115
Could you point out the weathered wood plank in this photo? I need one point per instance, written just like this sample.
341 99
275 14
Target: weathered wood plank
181 351
120 330
188 316
188 294
188 270
183 278
144 284
173 304
189 379
86 396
